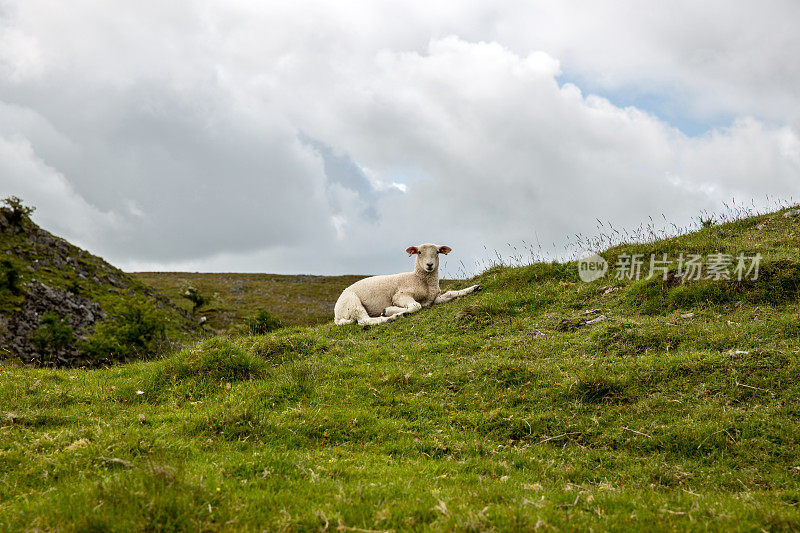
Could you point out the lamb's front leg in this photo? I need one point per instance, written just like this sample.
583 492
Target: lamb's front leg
402 304
452 295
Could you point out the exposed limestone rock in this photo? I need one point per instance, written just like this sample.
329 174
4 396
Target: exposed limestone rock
80 313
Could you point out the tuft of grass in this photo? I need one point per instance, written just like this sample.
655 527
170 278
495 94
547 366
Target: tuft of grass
599 389
631 338
295 344
778 281
215 359
196 372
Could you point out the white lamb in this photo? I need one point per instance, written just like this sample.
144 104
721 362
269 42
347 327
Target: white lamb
381 299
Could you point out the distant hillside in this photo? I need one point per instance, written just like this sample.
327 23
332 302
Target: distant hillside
53 294
298 300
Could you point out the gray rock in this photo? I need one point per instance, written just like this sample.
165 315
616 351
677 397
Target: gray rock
80 313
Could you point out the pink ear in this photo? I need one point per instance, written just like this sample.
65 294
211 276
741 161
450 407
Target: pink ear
445 250
411 250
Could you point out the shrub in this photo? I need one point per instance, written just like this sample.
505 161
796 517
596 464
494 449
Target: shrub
10 276
53 336
135 329
197 299
16 210
262 323
74 287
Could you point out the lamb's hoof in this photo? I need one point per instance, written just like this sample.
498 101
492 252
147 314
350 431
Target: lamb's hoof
477 288
383 313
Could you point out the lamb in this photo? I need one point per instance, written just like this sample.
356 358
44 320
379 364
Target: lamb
380 299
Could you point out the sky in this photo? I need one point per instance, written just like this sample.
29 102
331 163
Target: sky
327 137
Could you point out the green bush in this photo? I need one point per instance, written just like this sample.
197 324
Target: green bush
262 323
74 287
53 336
9 278
197 299
17 211
135 329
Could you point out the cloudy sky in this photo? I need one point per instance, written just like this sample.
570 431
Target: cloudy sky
326 137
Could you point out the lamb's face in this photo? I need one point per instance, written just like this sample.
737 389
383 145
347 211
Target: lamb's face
428 256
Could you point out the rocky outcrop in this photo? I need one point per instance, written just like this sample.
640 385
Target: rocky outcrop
78 312
54 275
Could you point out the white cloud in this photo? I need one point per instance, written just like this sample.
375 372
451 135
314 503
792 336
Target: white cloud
20 58
714 57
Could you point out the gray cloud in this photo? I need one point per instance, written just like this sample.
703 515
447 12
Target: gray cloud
342 172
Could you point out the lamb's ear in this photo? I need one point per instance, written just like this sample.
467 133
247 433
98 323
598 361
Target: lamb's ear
411 250
445 250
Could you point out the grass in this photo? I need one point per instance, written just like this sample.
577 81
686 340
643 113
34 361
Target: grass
681 410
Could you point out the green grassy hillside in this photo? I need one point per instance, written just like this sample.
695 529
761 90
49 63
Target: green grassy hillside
516 408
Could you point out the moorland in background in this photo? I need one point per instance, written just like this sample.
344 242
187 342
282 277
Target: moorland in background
298 300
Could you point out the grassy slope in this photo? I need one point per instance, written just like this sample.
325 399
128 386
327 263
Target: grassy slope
298 300
459 417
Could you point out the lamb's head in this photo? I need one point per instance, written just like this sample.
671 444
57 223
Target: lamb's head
427 256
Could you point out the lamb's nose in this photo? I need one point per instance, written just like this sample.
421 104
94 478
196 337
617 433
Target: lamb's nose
430 265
